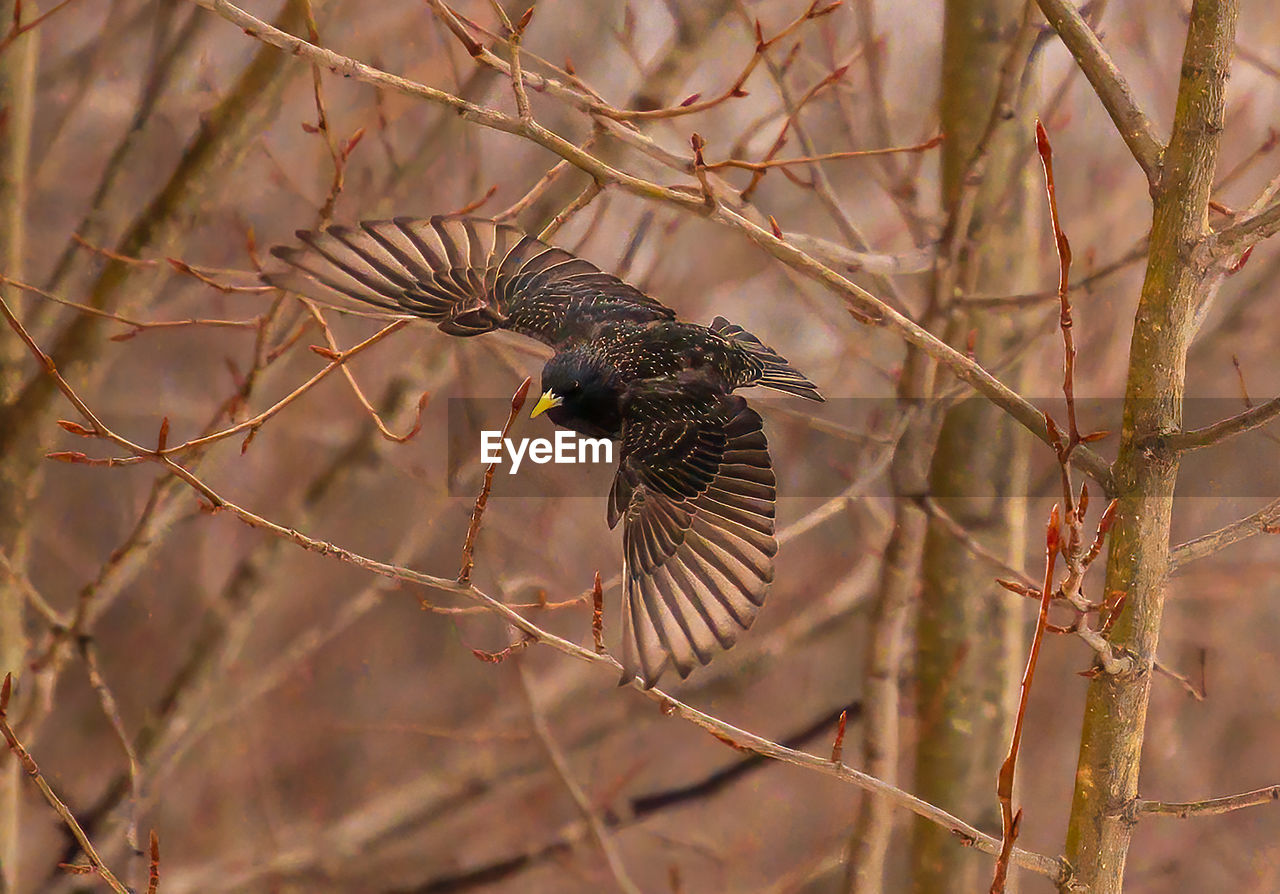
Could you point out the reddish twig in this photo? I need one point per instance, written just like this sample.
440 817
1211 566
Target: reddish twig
19 28
837 747
1010 821
597 615
792 115
188 270
139 326
336 360
358 391
338 155
477 514
700 169
475 204
503 654
1064 270
153 867
762 166
112 255
1199 692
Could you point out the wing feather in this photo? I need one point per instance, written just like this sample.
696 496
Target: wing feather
468 275
698 542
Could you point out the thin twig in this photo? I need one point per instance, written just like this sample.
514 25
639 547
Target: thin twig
1242 234
18 578
560 763
582 200
358 391
760 166
1265 521
33 771
20 28
1210 435
1209 806
1045 150
89 652
336 360
138 326
482 500
544 183
1004 785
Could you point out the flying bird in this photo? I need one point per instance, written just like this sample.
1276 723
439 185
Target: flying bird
694 488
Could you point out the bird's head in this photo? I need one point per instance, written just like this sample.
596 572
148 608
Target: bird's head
581 392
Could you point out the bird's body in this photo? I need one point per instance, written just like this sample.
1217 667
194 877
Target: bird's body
695 483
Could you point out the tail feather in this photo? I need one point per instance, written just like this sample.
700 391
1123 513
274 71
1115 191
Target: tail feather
771 370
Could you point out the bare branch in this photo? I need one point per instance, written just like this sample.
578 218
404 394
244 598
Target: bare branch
1245 233
33 772
1255 417
482 500
1010 820
590 815
1209 806
1265 521
1135 128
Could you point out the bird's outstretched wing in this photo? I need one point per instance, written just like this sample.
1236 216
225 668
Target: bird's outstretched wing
467 274
695 489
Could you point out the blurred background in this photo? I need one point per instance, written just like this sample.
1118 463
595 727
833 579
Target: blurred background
301 725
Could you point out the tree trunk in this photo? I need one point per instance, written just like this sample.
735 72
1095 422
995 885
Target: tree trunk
17 88
969 639
1116 710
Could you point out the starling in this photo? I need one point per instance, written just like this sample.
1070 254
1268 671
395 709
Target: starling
694 488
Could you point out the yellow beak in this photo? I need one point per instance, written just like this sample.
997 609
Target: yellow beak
548 400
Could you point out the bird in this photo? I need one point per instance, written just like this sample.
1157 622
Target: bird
695 488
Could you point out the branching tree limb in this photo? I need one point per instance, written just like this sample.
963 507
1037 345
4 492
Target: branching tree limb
1138 566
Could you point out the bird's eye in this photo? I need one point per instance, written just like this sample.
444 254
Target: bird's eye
575 385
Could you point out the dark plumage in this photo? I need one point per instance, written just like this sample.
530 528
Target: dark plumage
694 486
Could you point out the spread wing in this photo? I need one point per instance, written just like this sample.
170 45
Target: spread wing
695 490
467 274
